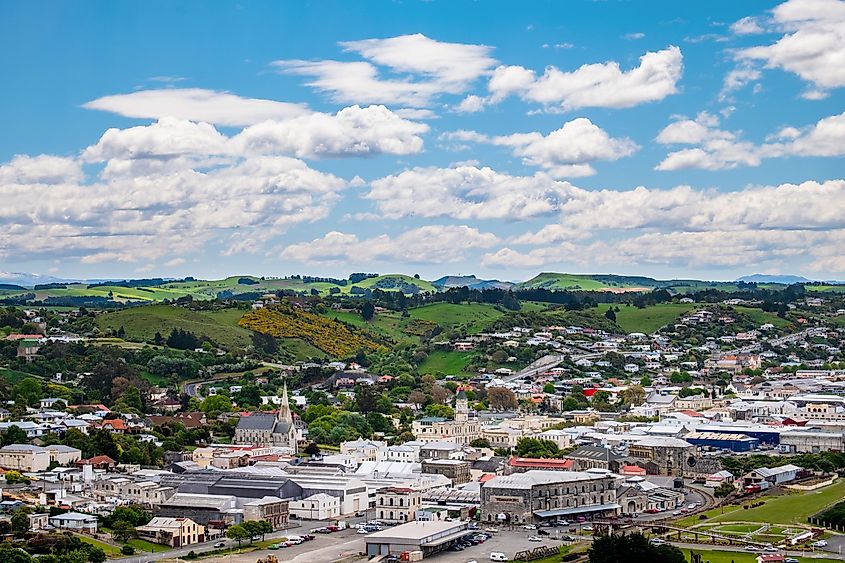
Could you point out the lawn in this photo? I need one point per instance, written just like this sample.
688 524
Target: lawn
792 508
300 349
554 281
144 545
648 319
760 317
141 323
475 317
450 363
388 323
110 550
13 376
715 556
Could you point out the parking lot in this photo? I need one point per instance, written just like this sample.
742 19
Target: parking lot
508 542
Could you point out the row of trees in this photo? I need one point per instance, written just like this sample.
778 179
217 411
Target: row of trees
249 531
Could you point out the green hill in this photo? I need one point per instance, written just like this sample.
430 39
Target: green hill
141 323
585 282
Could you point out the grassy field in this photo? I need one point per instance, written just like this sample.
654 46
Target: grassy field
141 323
149 547
110 550
831 288
450 363
13 376
389 323
792 508
714 556
760 317
648 319
552 281
474 316
300 349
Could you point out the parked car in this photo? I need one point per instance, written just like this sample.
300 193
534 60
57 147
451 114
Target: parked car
535 538
542 532
220 544
752 548
498 556
587 528
529 527
820 543
657 541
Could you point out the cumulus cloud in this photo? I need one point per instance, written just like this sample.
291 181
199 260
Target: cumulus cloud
434 244
142 218
174 143
565 152
196 104
593 85
353 131
812 45
466 192
434 67
718 149
42 169
747 26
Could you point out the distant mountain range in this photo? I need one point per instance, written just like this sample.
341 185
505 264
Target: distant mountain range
767 278
470 282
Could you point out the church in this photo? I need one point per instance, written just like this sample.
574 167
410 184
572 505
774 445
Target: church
268 429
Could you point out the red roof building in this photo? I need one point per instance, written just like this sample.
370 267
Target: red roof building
523 464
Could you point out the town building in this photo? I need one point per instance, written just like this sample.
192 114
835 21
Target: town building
175 532
268 429
536 496
398 504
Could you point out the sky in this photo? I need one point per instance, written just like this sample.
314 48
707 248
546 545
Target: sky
661 138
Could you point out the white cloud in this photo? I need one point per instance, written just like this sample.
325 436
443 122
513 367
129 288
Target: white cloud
738 78
593 85
435 68
813 44
142 218
467 192
565 152
195 104
718 149
747 26
633 36
42 169
434 244
173 143
353 131
471 104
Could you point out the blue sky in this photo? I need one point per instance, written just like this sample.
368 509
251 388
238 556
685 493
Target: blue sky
670 139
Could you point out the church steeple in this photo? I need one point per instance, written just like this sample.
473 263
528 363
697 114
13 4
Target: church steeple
284 408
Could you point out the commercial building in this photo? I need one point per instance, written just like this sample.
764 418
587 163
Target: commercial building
398 504
733 442
461 430
29 458
269 509
773 475
316 507
175 532
456 470
535 496
427 538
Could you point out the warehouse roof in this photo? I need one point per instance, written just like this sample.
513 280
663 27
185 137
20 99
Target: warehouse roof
717 436
530 479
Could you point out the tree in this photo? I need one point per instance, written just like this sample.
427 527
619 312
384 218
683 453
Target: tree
158 339
610 315
632 548
501 399
480 443
10 554
416 397
549 388
368 311
237 533
253 528
28 390
20 522
634 395
127 550
439 394
122 530
216 403
724 489
14 435
312 449
13 477
534 447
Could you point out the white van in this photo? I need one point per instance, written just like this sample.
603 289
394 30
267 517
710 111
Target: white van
498 556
